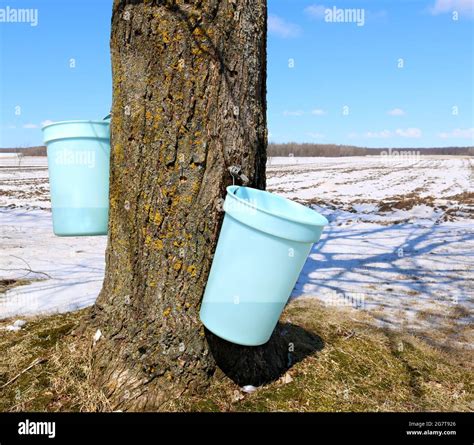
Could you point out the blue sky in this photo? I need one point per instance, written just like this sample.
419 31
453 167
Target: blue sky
402 77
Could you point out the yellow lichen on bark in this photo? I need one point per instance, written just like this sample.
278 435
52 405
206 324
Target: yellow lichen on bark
158 244
191 270
157 218
167 312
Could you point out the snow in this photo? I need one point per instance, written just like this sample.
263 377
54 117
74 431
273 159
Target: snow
24 183
12 328
16 326
373 178
68 272
97 336
397 269
249 389
401 235
400 240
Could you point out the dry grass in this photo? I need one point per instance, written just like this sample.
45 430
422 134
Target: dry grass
7 284
360 368
58 381
446 328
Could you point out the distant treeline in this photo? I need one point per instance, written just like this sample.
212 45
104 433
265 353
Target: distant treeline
30 151
309 150
333 150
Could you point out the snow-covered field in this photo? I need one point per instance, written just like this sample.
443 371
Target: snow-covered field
65 273
401 238
400 242
24 182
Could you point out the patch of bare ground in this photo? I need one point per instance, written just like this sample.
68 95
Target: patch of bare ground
405 202
9 283
463 198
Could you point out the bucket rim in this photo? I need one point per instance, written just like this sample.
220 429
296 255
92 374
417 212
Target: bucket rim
77 121
231 189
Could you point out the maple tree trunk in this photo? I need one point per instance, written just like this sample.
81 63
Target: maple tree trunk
189 101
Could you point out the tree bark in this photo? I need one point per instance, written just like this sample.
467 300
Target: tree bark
189 101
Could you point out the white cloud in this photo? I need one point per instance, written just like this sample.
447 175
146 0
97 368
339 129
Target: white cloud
408 133
463 7
458 133
46 122
316 11
293 113
396 112
282 28
318 112
378 134
316 135
385 134
30 126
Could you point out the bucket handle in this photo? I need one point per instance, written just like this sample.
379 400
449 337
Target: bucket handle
106 118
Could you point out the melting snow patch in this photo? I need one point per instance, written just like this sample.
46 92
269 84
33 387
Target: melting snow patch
68 271
365 208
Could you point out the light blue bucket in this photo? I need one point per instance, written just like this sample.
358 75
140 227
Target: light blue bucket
78 164
263 245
